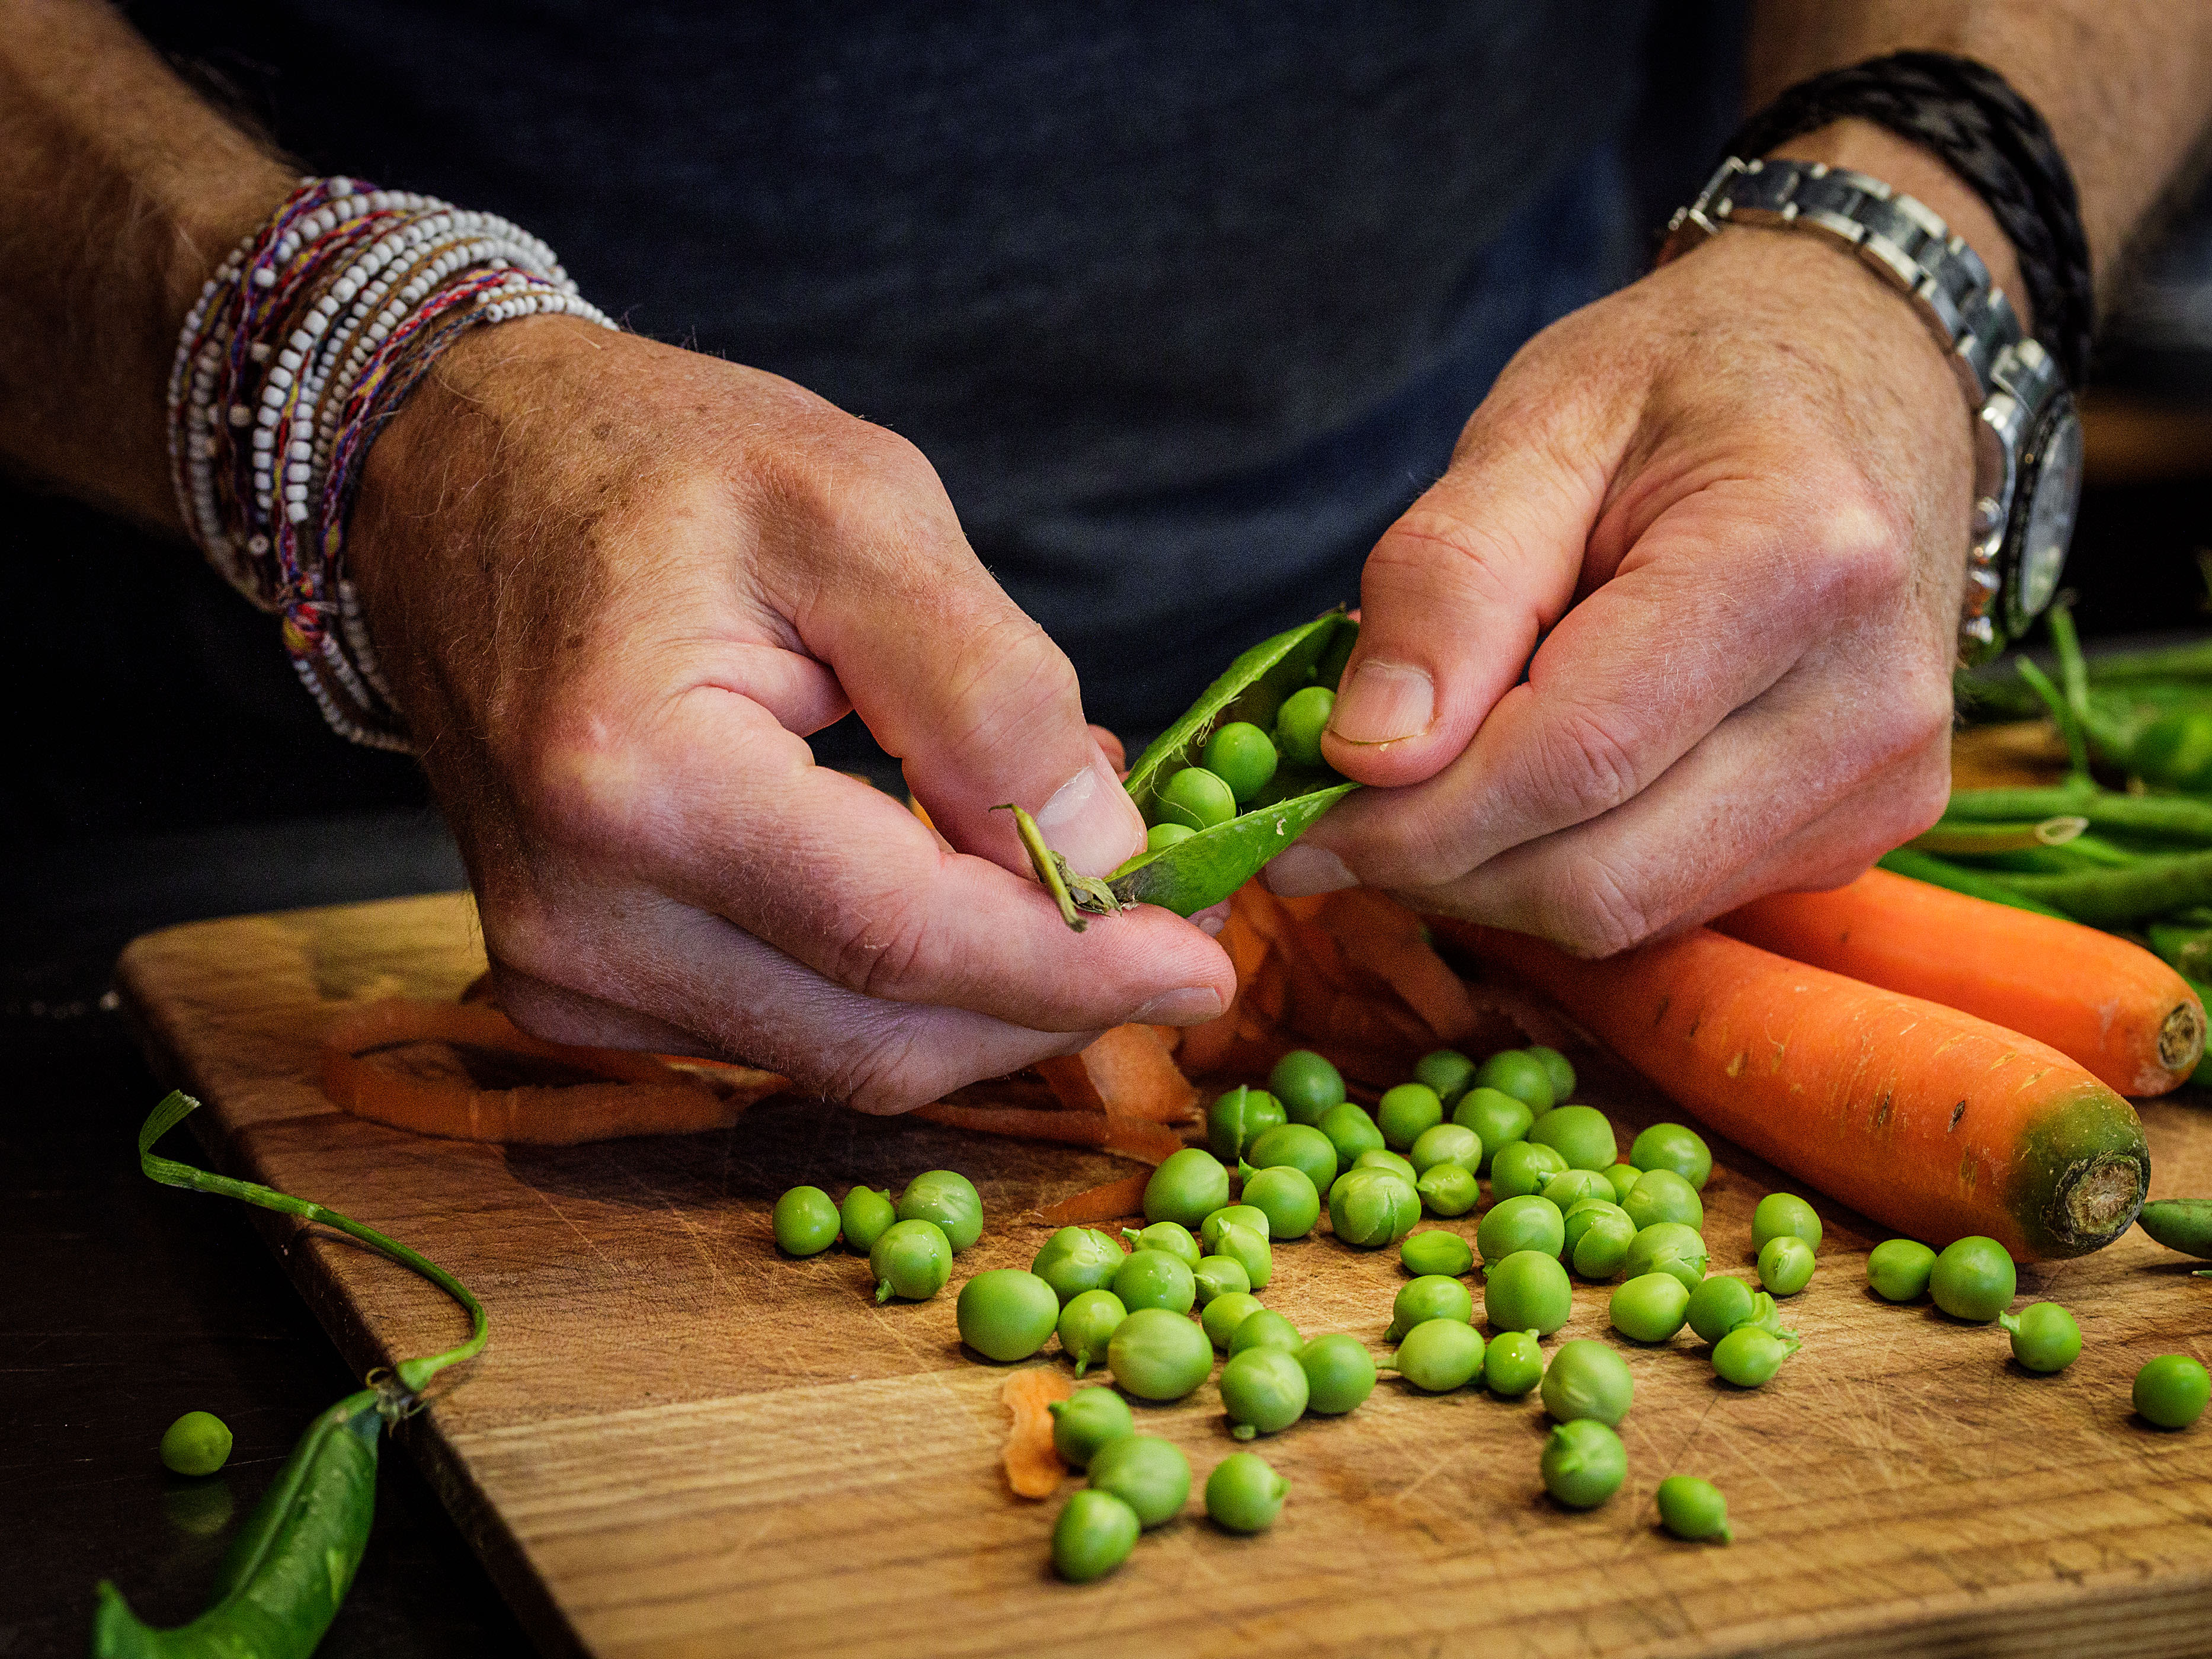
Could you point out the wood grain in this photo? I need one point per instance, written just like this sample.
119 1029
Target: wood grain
680 1443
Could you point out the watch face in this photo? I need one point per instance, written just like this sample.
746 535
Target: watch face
2046 530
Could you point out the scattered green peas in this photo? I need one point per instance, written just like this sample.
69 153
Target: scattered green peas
1224 1314
1580 1134
1899 1268
1447 1189
1006 1314
1974 1278
1240 755
1667 1247
1296 1146
1153 1278
1527 1292
862 1218
1300 722
1557 1067
1247 1245
1086 1420
949 1199
1432 1296
1075 1259
1676 1147
1439 1355
1387 1160
1719 1305
1515 1072
1244 1215
1693 1509
1372 1207
1264 1390
1306 1084
1598 1235
1662 1195
1159 837
1523 1167
2172 1391
199 1443
911 1259
1239 1117
806 1222
1623 1178
1339 1373
1220 1275
1158 1355
1749 1355
1350 1131
1587 1379
2044 1337
1529 1222
1171 1236
1583 1463
1188 1186
1087 1324
1405 1112
1435 1252
1446 1071
1650 1309
1266 1329
1287 1197
1499 1118
1243 1494
1785 1265
1445 1143
1094 1535
1148 1473
1514 1363
1784 1212
1194 798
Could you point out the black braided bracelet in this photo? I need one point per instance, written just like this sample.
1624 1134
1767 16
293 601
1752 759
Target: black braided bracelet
1990 137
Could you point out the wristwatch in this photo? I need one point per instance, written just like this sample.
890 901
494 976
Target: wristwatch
2027 436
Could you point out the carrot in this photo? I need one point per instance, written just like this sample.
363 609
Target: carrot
1033 1466
1110 1202
1930 1121
1109 1132
2109 1007
1129 1070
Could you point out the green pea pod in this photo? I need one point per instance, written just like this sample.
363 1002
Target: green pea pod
2180 1224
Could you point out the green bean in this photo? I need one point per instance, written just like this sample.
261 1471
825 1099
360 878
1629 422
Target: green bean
1940 872
2180 1224
2103 897
2177 815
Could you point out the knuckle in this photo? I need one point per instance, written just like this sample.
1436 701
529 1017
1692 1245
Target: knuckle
881 950
1594 911
1588 761
881 1070
1865 544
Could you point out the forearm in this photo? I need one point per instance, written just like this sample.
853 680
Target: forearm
120 190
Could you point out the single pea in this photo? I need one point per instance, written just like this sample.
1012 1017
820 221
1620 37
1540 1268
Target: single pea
1287 1197
1899 1268
1306 1084
1094 1535
1148 1473
1245 1215
1598 1235
1527 1222
1718 1306
1372 1207
1447 1189
1522 1167
1785 1265
1172 1236
2172 1390
862 1218
199 1443
1583 1463
1006 1314
1749 1355
1439 1355
1153 1278
2044 1337
913 1260
1693 1509
1195 798
1158 1355
1445 1143
806 1222
1339 1373
1570 1186
1264 1390
1973 1278
1220 1275
1240 755
1588 1379
1266 1329
1446 1071
1224 1314
1667 1247
1580 1134
1159 837
1623 1178
1676 1147
1300 722
1296 1146
1499 1118
1350 1131
1404 1112
1557 1067
1527 1292
1520 1074
1243 1495
1662 1195
949 1199
1087 1324
1087 1420
1387 1160
1766 1314
1187 1186
1782 1212
1432 1296
1075 1259
1239 1117
1248 1247
1435 1252
1514 1363
1650 1309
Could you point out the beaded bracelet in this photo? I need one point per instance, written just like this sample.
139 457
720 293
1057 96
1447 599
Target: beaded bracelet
306 340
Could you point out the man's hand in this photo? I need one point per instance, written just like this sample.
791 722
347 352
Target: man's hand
615 586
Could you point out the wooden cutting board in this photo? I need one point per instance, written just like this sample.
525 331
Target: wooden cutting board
680 1443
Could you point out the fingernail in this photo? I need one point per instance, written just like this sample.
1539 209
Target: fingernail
1090 821
1298 870
1385 702
1193 1004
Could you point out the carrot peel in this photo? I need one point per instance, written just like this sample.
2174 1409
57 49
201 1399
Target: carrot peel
1033 1466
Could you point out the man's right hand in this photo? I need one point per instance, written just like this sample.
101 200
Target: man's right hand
615 586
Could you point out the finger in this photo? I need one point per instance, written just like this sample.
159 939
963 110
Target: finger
1110 745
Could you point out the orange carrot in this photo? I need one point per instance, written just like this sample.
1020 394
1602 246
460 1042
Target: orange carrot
1129 1070
1928 1120
1110 1202
1109 1132
1033 1466
2109 1005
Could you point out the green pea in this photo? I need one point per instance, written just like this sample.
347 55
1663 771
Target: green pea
1514 1364
1248 1247
1383 1159
1499 1118
1238 1118
1087 1324
1195 798
1300 722
1266 1329
862 1218
1749 1355
1307 1084
1148 1473
806 1222
1372 1207
1522 1168
1527 1292
1650 1309
1435 1252
1224 1314
1220 1275
2172 1391
1087 1420
1339 1373
1570 1186
1446 1071
1243 1495
1766 1314
1718 1306
1155 1354
1662 1195
1693 1509
1006 1314
1583 1463
1153 1278
1446 1143
1264 1390
1676 1147
1439 1355
1350 1131
1580 1134
1094 1535
1159 837
1557 1068
1515 1072
1406 1111
1172 1236
1287 1197
1587 1379
1296 1146
2044 1337
1240 755
1598 1235
949 1199
1899 1268
1447 1189
1432 1296
1622 1177
1667 1247
1784 1212
2180 1224
1527 1222
1785 1265
1187 1186
199 1443
1973 1279
1075 1259
912 1259
1244 1215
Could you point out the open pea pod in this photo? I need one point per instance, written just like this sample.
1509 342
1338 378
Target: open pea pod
1205 868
